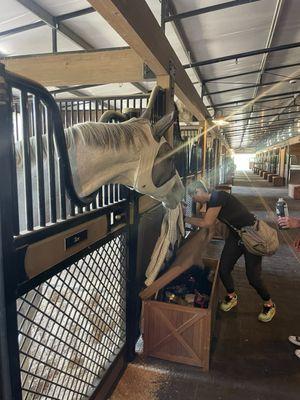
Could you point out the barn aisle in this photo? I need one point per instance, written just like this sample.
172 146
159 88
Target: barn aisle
250 360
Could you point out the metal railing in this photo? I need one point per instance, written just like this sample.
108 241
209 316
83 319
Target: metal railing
72 326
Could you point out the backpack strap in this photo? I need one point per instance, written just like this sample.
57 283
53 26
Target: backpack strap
231 226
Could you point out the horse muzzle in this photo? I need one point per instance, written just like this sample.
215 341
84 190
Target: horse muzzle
175 195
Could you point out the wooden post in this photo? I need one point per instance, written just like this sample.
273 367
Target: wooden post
199 161
216 164
204 150
167 83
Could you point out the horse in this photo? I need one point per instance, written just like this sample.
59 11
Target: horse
133 153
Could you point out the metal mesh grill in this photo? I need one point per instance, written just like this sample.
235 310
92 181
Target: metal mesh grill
72 326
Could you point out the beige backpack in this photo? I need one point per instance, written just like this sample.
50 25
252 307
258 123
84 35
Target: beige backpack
259 239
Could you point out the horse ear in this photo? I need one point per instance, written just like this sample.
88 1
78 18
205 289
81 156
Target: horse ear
161 126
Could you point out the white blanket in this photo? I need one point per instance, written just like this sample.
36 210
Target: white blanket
172 230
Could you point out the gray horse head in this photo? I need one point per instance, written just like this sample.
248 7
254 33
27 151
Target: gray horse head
162 181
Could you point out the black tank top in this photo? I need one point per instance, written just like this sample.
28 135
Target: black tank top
232 210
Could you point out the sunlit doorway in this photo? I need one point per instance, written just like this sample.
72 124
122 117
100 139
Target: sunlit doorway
243 161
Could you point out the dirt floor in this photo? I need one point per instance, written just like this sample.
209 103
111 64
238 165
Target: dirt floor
249 360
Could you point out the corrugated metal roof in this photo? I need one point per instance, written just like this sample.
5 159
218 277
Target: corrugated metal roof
210 35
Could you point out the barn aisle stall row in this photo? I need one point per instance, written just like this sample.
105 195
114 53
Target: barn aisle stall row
73 250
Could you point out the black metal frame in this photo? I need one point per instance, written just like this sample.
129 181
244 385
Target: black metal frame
13 279
249 87
40 92
168 7
257 71
270 97
244 54
205 10
10 380
40 113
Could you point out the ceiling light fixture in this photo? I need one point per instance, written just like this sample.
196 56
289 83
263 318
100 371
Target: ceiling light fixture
219 120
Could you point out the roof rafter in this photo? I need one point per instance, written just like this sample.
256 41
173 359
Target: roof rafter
237 56
50 20
187 48
264 116
218 78
145 36
278 96
274 23
257 85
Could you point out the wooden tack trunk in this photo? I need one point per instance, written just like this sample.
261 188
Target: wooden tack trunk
278 180
265 174
270 177
175 332
294 191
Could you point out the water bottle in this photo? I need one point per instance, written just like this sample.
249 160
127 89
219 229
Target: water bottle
281 209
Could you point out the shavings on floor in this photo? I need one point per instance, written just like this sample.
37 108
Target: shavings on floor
140 382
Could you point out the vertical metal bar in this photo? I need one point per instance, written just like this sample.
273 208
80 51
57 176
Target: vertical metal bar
78 119
124 192
84 112
97 110
26 161
14 206
115 193
131 289
76 111
10 388
62 190
119 192
102 107
134 102
66 115
54 40
72 113
127 102
141 105
30 116
100 197
72 209
39 160
163 14
90 113
115 104
52 190
204 149
105 195
16 121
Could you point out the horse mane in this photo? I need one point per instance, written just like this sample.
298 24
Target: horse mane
108 136
105 135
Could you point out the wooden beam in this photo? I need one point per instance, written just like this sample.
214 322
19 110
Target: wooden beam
136 24
79 68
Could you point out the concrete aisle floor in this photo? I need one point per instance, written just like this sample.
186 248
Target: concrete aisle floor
250 360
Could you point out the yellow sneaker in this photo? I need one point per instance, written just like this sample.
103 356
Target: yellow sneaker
228 303
267 313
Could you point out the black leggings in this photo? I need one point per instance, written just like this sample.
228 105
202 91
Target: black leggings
232 251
